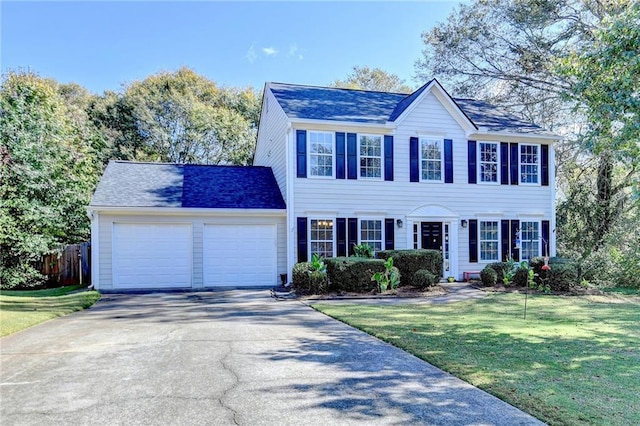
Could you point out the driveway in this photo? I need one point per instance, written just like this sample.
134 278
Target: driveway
236 357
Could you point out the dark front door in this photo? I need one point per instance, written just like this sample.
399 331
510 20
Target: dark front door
431 235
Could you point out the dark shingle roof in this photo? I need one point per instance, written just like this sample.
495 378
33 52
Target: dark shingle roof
128 184
361 106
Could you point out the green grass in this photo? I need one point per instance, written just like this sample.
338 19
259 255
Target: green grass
573 361
26 308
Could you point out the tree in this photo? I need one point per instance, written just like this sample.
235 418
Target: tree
47 175
364 78
183 117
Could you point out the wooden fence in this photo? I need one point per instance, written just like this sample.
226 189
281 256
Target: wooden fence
71 266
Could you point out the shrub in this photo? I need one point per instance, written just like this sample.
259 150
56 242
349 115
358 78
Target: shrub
563 276
309 280
489 276
363 250
521 277
423 278
500 268
353 273
389 279
410 261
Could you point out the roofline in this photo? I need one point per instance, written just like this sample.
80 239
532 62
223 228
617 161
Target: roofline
491 134
186 211
269 83
386 124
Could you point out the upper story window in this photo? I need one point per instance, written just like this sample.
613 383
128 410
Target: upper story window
371 233
370 149
431 159
530 239
488 154
489 240
529 163
321 241
321 154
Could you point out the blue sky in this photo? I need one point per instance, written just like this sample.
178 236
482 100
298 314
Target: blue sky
102 45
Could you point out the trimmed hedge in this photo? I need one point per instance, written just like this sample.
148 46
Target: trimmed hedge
410 261
499 268
307 280
353 273
563 276
488 276
423 278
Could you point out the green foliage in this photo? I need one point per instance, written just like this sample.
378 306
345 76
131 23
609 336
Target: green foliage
521 277
499 268
509 271
410 261
317 263
363 250
389 278
423 278
563 276
488 276
353 273
365 78
308 279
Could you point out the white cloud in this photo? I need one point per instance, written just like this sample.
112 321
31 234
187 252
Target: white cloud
270 51
295 52
251 54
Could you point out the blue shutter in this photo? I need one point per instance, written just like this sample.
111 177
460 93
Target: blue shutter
504 237
352 156
471 163
302 239
340 155
473 240
544 164
352 234
414 161
504 163
389 236
301 153
341 234
515 253
545 238
388 157
448 161
514 164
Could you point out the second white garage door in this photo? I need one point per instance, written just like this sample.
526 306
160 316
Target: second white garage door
239 255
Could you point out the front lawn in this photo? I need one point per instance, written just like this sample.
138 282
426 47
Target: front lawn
26 308
573 361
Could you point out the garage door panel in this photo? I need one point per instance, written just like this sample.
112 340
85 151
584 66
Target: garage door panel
239 255
152 255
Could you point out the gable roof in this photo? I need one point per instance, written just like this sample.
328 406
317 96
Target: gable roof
130 184
362 106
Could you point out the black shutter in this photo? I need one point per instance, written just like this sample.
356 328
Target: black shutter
341 233
473 240
546 249
388 157
514 164
504 237
340 156
471 163
301 153
544 164
414 160
302 239
504 163
352 234
389 235
352 156
515 253
448 161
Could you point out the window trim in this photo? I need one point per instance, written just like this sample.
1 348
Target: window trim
479 163
420 158
359 135
333 155
382 235
522 241
310 241
537 164
497 241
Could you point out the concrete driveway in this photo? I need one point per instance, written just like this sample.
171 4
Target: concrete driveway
224 358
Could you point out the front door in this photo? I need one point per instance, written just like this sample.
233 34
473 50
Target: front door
431 235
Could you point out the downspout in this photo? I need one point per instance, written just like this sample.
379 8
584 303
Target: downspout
290 201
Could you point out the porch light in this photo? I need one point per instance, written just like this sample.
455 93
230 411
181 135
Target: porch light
399 223
464 223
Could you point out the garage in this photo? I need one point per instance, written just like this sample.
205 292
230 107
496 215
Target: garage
150 255
239 255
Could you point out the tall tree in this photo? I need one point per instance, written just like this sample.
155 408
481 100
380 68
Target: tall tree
184 117
47 175
365 78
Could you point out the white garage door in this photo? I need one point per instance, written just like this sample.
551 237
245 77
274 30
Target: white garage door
239 255
151 255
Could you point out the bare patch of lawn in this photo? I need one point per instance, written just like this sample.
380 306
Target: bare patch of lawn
26 308
573 361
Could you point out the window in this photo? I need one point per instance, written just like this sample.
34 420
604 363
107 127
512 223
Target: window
321 154
530 239
488 162
431 159
489 240
370 156
529 159
371 234
322 237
